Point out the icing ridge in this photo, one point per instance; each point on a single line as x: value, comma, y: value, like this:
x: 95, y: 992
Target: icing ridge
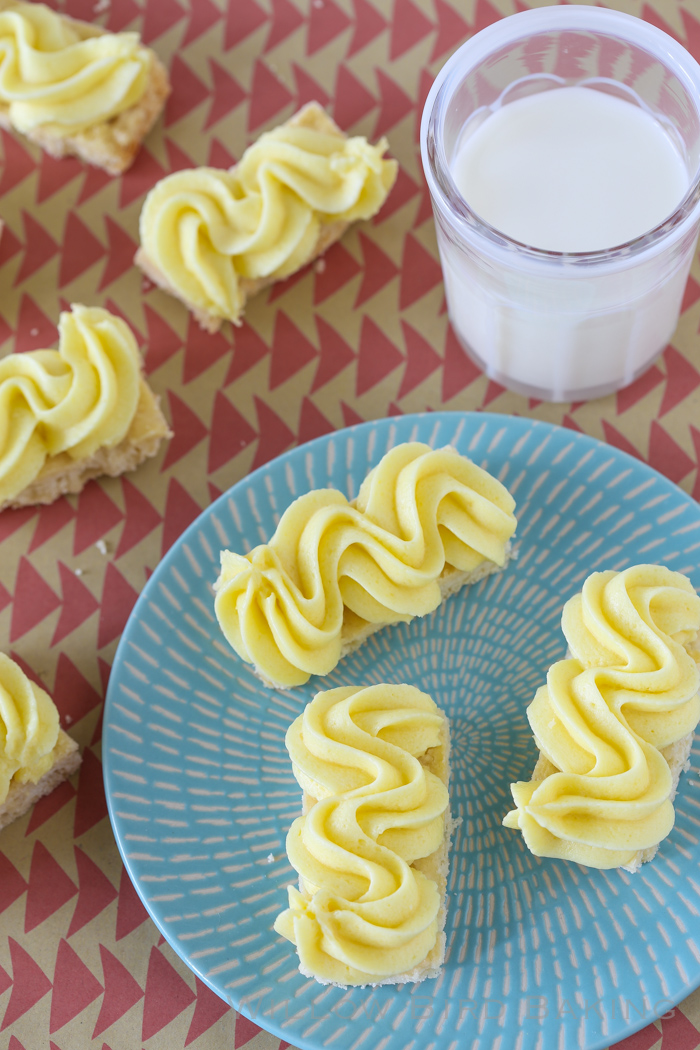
x: 604, y: 716
x: 63, y: 75
x: 418, y: 512
x: 76, y: 399
x: 363, y: 913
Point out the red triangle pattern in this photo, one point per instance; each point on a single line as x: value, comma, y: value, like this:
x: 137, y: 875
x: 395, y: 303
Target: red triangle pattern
x: 228, y: 95
x: 74, y: 987
x: 12, y: 885
x: 167, y: 995
x: 308, y: 89
x: 163, y: 341
x: 452, y: 29
x: 54, y: 174
x: 286, y: 19
x: 369, y: 23
x: 130, y: 911
x: 275, y: 435
x: 666, y: 456
x: 118, y: 599
x: 49, y: 805
x: 9, y: 246
x: 141, y: 176
x: 291, y: 351
x: 30, y: 984
x: 49, y: 888
x: 230, y: 433
x: 188, y: 429
x: 188, y: 92
x: 202, y: 350
x: 95, y: 892
x: 245, y: 1031
x: 337, y: 267
x: 420, y: 272
x: 409, y: 26
x: 395, y: 104
x: 141, y: 518
x: 79, y: 604
x: 459, y: 370
x: 208, y: 1009
x: 97, y: 515
x: 5, y: 981
x: 378, y: 357
x: 421, y: 360
x: 40, y: 248
x: 122, y: 992
x: 335, y: 355
x: 630, y: 395
x: 378, y: 272
x: 312, y: 422
x: 681, y: 379
x: 91, y: 805
x: 34, y: 600
x: 34, y: 329
x: 81, y: 250
x: 120, y: 255
x: 160, y: 16
x: 180, y: 511
x: 18, y: 162
x: 72, y: 693
x: 203, y: 15
x: 242, y: 19
x: 642, y: 1040
x: 618, y: 440
x: 326, y: 22
x: 269, y: 96
x: 51, y: 519
x: 352, y: 99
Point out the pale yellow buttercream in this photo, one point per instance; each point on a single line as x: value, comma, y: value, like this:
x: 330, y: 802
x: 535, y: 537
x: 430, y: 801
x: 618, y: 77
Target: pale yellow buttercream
x: 204, y: 229
x: 630, y: 689
x: 363, y: 913
x: 66, y: 76
x: 418, y: 512
x: 76, y: 399
x: 28, y: 727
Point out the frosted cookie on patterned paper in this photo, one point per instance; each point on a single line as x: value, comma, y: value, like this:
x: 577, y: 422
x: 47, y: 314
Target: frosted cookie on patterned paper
x: 35, y: 753
x: 214, y: 237
x: 426, y: 522
x: 614, y: 724
x: 74, y: 88
x: 75, y: 413
x: 372, y: 846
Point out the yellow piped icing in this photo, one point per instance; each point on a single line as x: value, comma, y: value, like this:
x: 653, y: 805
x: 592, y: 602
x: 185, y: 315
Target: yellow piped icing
x: 28, y: 728
x: 363, y: 913
x: 629, y: 690
x: 66, y: 76
x: 418, y: 512
x: 76, y: 399
x: 204, y: 228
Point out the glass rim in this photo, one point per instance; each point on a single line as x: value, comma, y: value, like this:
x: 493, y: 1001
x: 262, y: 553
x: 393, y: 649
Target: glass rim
x: 519, y: 27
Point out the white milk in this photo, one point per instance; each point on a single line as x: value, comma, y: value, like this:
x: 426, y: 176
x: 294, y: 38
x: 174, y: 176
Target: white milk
x: 570, y: 170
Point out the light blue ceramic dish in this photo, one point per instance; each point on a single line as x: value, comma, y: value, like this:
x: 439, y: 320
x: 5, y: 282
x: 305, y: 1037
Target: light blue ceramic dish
x: 541, y: 954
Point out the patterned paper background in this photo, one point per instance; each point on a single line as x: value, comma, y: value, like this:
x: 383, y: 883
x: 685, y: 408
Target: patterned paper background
x: 360, y: 336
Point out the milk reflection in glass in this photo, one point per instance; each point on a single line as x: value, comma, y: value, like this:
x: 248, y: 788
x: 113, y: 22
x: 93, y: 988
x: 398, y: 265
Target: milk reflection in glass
x: 571, y: 169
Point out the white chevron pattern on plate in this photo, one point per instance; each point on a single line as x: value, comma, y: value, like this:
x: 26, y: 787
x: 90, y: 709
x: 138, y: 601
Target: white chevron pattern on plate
x: 201, y: 792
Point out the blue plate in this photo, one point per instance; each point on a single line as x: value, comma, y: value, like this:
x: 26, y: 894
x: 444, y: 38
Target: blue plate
x: 541, y: 954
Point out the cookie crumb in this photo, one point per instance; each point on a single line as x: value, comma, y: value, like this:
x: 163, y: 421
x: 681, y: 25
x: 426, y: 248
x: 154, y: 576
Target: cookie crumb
x: 270, y: 858
x: 101, y: 546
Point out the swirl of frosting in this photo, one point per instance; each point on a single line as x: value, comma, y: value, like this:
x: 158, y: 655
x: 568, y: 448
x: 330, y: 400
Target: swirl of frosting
x: 64, y: 75
x: 364, y: 913
x: 205, y: 229
x: 603, y: 717
x: 419, y: 512
x: 28, y: 727
x: 76, y: 399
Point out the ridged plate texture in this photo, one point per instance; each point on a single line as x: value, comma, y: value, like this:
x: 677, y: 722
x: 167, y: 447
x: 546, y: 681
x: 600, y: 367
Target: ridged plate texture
x: 541, y: 954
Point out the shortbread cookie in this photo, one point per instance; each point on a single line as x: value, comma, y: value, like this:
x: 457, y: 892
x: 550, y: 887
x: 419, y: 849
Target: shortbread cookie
x: 75, y: 413
x: 373, y: 765
x: 425, y: 523
x: 615, y: 722
x: 75, y: 89
x: 35, y: 754
x: 213, y: 238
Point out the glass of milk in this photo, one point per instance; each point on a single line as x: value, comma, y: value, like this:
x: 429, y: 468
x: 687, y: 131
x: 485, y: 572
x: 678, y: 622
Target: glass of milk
x: 562, y: 151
